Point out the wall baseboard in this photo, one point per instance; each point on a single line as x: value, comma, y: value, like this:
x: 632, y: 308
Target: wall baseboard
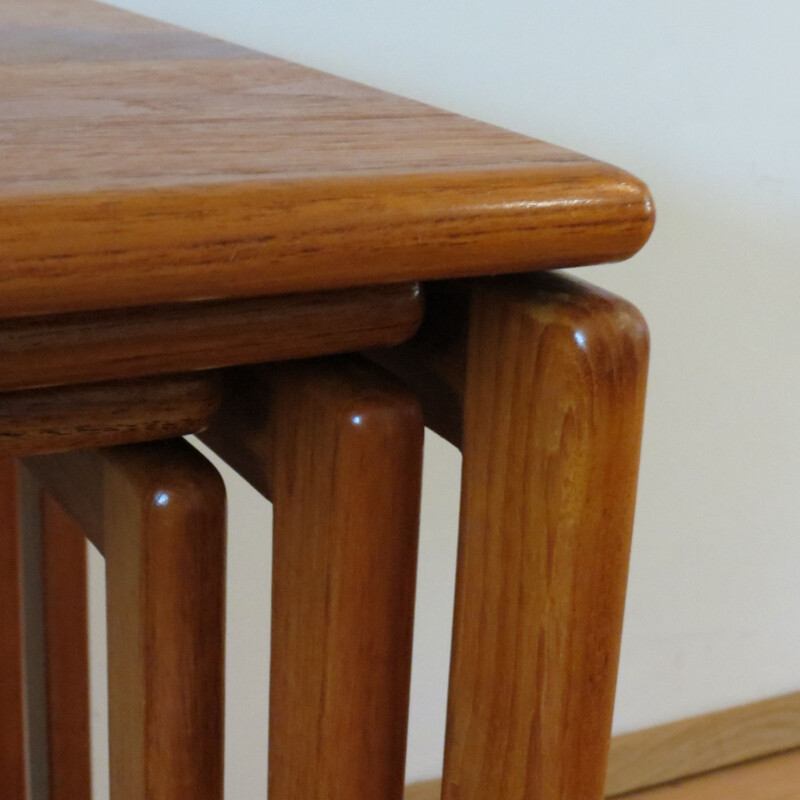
x: 689, y: 746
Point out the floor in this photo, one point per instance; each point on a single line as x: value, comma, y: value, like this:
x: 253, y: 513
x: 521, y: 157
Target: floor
x: 773, y: 778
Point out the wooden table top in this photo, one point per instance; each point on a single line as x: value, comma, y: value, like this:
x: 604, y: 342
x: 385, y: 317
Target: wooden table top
x: 143, y: 164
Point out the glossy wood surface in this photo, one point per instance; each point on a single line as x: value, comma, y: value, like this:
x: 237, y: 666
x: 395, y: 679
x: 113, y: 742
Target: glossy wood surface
x: 337, y: 446
x: 704, y: 743
x: 66, y: 632
x: 434, y: 361
x: 774, y: 778
x: 60, y: 473
x: 554, y: 398
x: 30, y: 506
x: 165, y: 573
x: 13, y: 777
x: 145, y: 165
x: 541, y: 381
x: 687, y: 748
x: 72, y: 417
x: 161, y: 509
x: 41, y: 351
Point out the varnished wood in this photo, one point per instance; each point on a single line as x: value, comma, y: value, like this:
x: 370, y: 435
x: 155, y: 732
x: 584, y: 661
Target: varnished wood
x: 337, y: 446
x: 94, y: 415
x: 165, y: 571
x: 67, y: 653
x: 700, y: 744
x: 158, y: 185
x: 56, y: 648
x: 553, y: 405
x: 773, y: 778
x: 551, y: 386
x: 688, y: 747
x: 230, y: 174
x: 12, y: 739
x: 423, y: 790
x: 48, y: 32
x: 162, y: 512
x: 40, y: 351
x: 30, y: 508
x: 434, y: 361
x: 59, y: 472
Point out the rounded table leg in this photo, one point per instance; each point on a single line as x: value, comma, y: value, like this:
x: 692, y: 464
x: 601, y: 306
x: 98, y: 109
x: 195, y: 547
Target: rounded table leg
x: 337, y: 446
x: 157, y: 512
x: 540, y: 380
x: 553, y: 408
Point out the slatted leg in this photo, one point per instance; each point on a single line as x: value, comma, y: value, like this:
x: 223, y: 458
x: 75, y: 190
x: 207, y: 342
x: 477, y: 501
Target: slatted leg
x: 12, y: 724
x: 551, y: 384
x: 157, y: 512
x: 337, y: 447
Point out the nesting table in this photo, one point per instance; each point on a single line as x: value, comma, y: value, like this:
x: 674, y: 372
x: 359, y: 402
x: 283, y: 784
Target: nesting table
x: 306, y: 272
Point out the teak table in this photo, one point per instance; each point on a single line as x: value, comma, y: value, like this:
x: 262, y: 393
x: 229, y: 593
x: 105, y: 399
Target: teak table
x: 177, y: 216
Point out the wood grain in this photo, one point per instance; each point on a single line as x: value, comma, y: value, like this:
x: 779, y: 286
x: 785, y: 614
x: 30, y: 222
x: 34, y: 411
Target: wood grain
x: 424, y: 790
x: 775, y: 778
x: 554, y: 399
x: 337, y: 446
x: 84, y: 503
x: 160, y: 511
x: 13, y: 777
x: 30, y: 507
x: 434, y: 361
x: 165, y: 576
x: 67, y: 653
x: 704, y: 743
x: 184, y: 176
x: 551, y: 388
x: 689, y: 747
x: 52, y: 32
x: 41, y: 351
x: 71, y: 417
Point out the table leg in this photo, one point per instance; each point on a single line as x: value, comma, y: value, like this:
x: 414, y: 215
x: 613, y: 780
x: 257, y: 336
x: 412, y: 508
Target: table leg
x: 66, y: 636
x: 552, y: 383
x: 552, y: 423
x: 337, y: 446
x: 57, y: 646
x: 157, y: 512
x: 12, y: 736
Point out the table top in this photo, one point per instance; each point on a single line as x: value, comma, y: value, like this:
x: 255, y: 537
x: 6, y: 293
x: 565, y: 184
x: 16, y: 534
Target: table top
x: 143, y: 164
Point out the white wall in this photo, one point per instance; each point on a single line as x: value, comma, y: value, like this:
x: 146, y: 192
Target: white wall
x: 702, y: 100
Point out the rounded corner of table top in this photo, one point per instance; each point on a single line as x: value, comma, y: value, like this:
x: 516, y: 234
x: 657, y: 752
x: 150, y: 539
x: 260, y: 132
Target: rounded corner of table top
x: 176, y: 178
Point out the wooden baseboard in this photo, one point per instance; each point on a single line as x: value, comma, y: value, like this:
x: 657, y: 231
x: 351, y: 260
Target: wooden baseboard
x: 770, y: 778
x: 700, y: 744
x: 689, y: 747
